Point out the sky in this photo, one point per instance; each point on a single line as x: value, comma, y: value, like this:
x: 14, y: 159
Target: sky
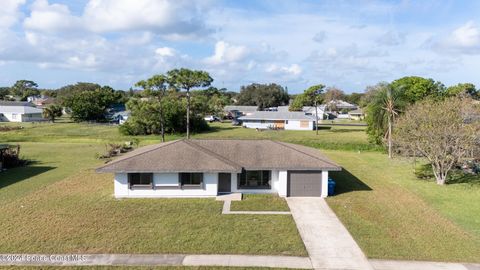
x: 346, y: 44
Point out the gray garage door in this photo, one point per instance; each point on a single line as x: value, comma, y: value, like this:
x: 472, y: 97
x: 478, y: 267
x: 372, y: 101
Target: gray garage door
x: 304, y: 184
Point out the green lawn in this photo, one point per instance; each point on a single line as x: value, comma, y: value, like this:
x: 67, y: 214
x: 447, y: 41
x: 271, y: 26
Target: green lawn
x: 260, y: 202
x: 59, y: 205
x: 392, y: 215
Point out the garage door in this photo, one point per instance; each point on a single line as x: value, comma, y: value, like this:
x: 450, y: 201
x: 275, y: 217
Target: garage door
x: 304, y: 184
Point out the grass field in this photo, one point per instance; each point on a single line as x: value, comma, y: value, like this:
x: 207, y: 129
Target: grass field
x: 389, y: 212
x: 260, y: 202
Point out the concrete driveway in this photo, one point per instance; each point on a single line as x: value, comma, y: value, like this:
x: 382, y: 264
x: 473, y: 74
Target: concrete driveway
x: 329, y: 244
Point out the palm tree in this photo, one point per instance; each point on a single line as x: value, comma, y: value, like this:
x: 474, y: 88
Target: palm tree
x: 387, y: 103
x: 53, y: 111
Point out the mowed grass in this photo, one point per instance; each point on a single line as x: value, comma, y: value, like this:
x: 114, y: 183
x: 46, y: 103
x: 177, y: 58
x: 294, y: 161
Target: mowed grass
x: 260, y: 202
x: 392, y: 215
x: 80, y: 215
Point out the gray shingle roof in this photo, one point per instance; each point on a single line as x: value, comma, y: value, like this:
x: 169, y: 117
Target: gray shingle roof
x: 240, y: 108
x: 220, y: 156
x: 19, y: 107
x: 277, y: 116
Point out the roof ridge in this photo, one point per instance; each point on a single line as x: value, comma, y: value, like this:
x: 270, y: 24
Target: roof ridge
x: 215, y: 155
x: 284, y: 144
x: 126, y: 158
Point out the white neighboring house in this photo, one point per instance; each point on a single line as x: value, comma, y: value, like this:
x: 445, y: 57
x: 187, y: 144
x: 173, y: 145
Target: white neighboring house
x: 244, y: 110
x: 121, y: 117
x: 14, y: 111
x: 207, y: 168
x: 279, y: 120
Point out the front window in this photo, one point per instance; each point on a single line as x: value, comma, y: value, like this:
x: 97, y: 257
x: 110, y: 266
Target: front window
x: 191, y: 179
x: 254, y: 180
x: 140, y: 180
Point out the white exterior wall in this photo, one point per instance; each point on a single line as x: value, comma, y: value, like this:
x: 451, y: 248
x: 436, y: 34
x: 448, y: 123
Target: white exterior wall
x: 265, y: 124
x: 19, y: 117
x: 295, y: 125
x: 161, y: 182
x: 32, y: 117
x: 210, y: 188
x: 282, y: 183
x: 258, y: 124
x: 324, y: 184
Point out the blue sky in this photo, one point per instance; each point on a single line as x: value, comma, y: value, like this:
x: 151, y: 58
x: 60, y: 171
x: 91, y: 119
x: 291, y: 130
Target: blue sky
x: 347, y: 44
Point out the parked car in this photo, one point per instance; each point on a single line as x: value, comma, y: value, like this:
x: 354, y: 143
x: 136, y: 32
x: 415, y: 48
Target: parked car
x: 212, y: 118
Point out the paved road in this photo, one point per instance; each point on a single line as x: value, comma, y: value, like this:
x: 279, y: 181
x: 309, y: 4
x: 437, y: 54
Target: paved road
x: 329, y: 244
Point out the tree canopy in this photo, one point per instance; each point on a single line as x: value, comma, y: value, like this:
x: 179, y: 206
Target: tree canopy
x: 91, y: 105
x: 463, y: 89
x: 444, y: 132
x: 417, y: 88
x: 24, y: 89
x: 309, y: 97
x: 263, y: 95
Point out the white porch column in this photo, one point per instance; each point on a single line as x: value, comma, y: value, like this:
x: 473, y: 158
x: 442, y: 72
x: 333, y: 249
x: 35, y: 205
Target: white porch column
x: 324, y: 184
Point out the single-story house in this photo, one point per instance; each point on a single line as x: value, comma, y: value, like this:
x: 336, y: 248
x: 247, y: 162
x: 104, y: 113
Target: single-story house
x: 279, y: 120
x: 15, y: 111
x: 244, y: 110
x: 207, y: 168
x: 310, y: 110
x: 357, y: 114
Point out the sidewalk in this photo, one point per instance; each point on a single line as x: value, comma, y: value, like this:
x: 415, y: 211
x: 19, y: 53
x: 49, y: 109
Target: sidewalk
x: 209, y: 260
x: 329, y: 244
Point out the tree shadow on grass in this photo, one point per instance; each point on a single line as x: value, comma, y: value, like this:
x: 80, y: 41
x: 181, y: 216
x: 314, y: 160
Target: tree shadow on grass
x: 456, y: 176
x: 347, y: 182
x: 15, y: 175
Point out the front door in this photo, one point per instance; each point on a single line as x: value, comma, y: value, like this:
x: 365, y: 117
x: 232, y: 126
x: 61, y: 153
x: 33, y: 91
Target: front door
x: 224, y: 182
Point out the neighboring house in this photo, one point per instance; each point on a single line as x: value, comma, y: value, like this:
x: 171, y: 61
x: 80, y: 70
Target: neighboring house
x: 244, y: 110
x: 278, y: 120
x: 310, y: 110
x: 207, y: 168
x: 283, y: 108
x: 120, y: 117
x: 40, y: 101
x: 357, y: 114
x: 16, y: 111
x: 341, y: 105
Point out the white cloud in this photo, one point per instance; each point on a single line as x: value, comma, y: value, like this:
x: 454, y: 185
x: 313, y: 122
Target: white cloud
x: 293, y: 69
x: 467, y: 36
x: 9, y: 12
x: 165, y: 52
x: 227, y: 53
x: 464, y: 39
x: 51, y: 18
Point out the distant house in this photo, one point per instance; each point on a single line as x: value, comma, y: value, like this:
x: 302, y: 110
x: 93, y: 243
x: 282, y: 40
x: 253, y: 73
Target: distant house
x: 244, y: 110
x: 120, y: 117
x: 40, y: 101
x: 357, y: 114
x: 341, y: 105
x: 310, y: 110
x: 14, y: 111
x: 278, y: 120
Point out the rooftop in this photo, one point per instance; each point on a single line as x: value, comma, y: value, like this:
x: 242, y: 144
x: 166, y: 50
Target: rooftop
x: 220, y: 156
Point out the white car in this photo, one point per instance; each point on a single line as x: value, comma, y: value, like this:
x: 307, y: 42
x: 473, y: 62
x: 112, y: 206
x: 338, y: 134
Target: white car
x: 211, y: 118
